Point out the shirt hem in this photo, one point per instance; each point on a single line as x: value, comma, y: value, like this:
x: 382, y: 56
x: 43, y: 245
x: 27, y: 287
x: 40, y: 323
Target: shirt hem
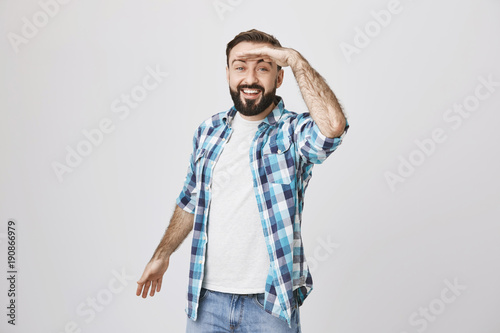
x: 234, y: 290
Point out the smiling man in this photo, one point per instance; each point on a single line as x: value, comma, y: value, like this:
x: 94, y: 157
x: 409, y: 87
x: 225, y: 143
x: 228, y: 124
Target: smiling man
x: 243, y: 195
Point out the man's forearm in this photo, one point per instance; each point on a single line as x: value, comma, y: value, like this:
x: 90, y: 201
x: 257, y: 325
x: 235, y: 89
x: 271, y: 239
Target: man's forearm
x: 179, y: 228
x: 322, y: 103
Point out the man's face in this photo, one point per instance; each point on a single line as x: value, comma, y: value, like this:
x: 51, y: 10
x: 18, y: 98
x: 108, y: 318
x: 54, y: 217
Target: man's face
x: 252, y: 82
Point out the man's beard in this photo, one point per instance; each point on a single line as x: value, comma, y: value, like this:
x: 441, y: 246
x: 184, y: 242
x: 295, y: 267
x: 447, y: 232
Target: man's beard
x: 250, y: 107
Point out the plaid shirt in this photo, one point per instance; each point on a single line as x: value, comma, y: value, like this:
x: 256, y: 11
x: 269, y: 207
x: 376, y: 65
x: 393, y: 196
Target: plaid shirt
x: 282, y: 154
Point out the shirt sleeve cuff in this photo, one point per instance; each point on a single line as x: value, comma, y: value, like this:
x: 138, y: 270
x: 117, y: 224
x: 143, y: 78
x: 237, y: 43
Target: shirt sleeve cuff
x: 328, y: 143
x: 185, y: 203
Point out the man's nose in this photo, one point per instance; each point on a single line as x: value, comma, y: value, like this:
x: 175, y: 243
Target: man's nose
x: 251, y: 78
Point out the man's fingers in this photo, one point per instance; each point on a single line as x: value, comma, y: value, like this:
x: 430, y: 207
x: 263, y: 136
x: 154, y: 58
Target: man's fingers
x: 252, y: 55
x: 260, y: 50
x: 140, y: 284
x: 256, y: 55
x: 158, y: 286
x: 153, y: 289
x: 139, y: 288
x: 146, y: 289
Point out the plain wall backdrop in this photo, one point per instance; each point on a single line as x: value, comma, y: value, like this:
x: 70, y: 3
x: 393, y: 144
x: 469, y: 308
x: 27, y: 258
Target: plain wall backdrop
x: 401, y: 223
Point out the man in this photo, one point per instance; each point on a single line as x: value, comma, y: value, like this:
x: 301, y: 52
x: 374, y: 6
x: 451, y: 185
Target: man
x: 244, y: 192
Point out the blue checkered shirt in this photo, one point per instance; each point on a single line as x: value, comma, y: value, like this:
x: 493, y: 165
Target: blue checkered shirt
x: 282, y: 155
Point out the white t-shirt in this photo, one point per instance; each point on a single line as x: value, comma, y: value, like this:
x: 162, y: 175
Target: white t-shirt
x: 237, y: 260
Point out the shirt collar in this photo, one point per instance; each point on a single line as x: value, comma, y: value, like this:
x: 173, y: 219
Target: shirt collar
x: 271, y: 119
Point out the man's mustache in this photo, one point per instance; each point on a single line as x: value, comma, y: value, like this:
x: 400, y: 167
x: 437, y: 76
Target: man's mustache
x: 252, y: 86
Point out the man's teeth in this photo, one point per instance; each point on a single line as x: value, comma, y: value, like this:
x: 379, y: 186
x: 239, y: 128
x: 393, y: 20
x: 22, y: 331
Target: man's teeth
x: 248, y: 91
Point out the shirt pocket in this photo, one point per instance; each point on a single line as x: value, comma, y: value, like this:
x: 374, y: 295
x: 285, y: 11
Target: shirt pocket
x: 278, y: 162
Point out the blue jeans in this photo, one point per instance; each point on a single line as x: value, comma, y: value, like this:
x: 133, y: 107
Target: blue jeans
x: 223, y: 312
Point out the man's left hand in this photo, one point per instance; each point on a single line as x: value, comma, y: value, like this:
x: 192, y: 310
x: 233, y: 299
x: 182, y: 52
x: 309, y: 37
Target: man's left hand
x: 282, y: 56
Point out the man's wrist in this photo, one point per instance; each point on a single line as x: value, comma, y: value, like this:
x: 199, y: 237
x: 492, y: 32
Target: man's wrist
x: 162, y: 255
x: 296, y: 61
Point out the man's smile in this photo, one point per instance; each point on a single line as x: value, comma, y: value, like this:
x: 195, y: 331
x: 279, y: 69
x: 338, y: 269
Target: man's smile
x: 250, y: 93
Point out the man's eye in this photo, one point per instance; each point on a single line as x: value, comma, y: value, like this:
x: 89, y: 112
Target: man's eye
x: 263, y: 69
x: 239, y: 68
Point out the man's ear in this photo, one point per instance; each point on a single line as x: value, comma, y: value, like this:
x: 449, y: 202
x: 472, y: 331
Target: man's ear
x: 279, y: 79
x: 227, y: 74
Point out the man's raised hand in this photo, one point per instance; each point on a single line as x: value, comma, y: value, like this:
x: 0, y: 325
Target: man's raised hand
x: 282, y: 56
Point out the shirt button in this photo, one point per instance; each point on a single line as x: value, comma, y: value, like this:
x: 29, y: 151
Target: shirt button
x: 279, y: 151
x: 207, y: 187
x: 199, y: 262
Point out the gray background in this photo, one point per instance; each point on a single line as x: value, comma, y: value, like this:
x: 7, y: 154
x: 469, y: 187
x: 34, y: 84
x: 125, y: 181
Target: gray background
x: 391, y: 248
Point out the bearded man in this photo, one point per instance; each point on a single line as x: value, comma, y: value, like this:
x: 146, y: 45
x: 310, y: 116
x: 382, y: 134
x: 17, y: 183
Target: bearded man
x: 243, y: 195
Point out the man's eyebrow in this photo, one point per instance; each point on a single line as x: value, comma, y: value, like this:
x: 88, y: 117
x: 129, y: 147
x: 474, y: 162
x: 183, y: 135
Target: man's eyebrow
x: 267, y: 62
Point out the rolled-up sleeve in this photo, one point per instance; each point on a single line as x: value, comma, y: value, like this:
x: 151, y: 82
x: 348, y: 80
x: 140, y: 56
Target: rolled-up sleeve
x: 187, y: 198
x: 312, y: 145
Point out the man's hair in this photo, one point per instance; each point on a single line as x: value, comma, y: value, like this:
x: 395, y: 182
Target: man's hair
x: 254, y: 36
